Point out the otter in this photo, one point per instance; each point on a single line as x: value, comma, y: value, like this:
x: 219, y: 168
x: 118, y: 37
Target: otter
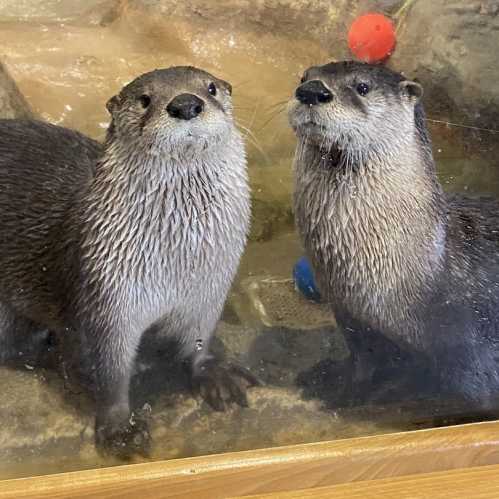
x: 395, y: 256
x: 107, y: 241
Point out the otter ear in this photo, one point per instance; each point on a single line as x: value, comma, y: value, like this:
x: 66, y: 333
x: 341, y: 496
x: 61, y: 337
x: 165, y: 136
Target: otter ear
x: 228, y: 87
x: 225, y: 85
x: 411, y: 89
x: 113, y: 103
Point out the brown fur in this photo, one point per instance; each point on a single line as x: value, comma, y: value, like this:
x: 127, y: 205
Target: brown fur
x: 391, y: 253
x: 103, y: 242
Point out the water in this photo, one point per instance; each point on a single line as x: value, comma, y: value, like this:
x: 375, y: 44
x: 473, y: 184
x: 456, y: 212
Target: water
x: 68, y: 58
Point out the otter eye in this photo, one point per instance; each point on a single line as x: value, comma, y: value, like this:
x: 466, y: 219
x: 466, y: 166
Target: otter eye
x: 362, y: 89
x: 303, y: 78
x: 144, y: 100
x: 212, y: 89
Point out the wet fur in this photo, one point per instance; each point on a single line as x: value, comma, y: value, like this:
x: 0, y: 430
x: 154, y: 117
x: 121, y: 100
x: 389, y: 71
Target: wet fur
x: 391, y: 252
x: 105, y: 241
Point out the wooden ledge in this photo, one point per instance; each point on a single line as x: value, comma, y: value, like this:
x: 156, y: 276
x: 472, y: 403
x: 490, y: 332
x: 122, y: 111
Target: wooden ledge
x: 281, y: 469
x: 476, y: 483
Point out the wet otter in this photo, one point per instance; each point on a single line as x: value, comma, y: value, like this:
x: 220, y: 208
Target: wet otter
x: 144, y: 231
x: 391, y: 252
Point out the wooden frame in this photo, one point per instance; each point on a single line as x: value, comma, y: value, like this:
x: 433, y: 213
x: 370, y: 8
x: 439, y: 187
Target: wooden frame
x: 453, y: 461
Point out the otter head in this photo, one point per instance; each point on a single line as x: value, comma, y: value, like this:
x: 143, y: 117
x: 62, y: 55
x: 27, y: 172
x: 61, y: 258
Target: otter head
x: 168, y: 111
x: 354, y: 110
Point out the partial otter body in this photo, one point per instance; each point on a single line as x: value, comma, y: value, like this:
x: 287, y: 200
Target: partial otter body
x: 391, y: 252
x: 105, y: 241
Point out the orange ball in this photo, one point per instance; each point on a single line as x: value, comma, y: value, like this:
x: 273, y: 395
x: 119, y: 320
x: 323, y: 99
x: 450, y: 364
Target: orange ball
x: 371, y: 37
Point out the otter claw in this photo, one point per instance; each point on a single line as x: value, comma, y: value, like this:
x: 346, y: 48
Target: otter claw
x: 123, y: 440
x: 221, y: 386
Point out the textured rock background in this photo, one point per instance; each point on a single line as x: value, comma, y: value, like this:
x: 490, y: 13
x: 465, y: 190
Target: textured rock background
x: 12, y: 102
x: 451, y: 46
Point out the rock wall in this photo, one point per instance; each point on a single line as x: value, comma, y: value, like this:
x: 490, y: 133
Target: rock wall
x: 12, y: 102
x: 451, y: 47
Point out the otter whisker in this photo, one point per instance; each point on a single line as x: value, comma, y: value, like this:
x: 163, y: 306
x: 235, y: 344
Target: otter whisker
x: 254, y: 114
x: 460, y: 125
x: 277, y: 104
x: 272, y: 117
x: 242, y: 83
x: 241, y: 108
x: 253, y: 140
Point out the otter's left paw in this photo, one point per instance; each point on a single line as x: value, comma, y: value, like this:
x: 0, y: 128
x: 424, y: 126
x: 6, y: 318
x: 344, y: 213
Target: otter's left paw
x: 223, y: 385
x: 123, y: 439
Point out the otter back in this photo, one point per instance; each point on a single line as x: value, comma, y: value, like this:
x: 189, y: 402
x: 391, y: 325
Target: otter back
x: 42, y: 169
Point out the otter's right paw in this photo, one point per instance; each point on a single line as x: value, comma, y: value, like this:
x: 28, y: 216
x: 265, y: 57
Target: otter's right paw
x: 123, y: 440
x: 223, y: 385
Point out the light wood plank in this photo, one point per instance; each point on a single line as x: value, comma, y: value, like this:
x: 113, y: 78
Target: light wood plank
x: 275, y: 470
x: 469, y: 483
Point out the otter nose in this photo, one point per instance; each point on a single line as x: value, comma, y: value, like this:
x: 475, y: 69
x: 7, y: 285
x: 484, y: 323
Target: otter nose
x: 185, y: 107
x: 313, y: 92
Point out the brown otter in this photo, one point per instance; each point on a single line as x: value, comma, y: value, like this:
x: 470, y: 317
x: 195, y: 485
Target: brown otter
x: 391, y: 252
x: 144, y: 231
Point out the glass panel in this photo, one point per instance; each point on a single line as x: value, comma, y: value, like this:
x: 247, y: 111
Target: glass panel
x: 323, y: 377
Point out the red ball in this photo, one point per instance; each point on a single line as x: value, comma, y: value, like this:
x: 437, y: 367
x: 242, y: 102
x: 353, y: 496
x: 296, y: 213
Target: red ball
x: 371, y: 37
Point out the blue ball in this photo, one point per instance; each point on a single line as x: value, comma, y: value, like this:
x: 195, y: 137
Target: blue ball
x: 304, y: 279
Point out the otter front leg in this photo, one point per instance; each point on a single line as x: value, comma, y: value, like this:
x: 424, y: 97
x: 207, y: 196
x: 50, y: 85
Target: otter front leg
x: 219, y: 383
x: 117, y: 431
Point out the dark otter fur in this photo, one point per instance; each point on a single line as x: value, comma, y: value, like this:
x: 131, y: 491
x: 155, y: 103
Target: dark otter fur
x: 106, y: 241
x: 391, y: 252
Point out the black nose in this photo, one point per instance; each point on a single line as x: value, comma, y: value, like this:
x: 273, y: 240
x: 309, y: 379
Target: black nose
x: 185, y: 107
x: 313, y: 92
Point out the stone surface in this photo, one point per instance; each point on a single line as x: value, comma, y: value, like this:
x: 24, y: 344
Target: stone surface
x: 48, y: 10
x: 268, y: 219
x: 451, y: 48
x: 275, y: 416
x: 12, y: 102
x: 312, y: 18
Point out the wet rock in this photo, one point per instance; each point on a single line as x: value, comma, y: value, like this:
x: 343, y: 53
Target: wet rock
x: 38, y: 425
x: 277, y: 302
x: 275, y: 416
x: 314, y: 19
x: 268, y: 219
x: 386, y: 6
x: 48, y: 10
x: 35, y: 411
x: 449, y: 47
x: 12, y: 102
x: 279, y: 356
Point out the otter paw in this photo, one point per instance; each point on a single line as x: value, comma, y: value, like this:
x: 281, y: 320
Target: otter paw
x: 223, y: 385
x: 123, y: 440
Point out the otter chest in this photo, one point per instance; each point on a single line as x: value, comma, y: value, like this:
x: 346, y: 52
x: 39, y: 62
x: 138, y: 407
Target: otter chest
x: 354, y: 242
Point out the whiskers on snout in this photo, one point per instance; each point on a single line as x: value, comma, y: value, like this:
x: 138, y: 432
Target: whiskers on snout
x: 173, y: 111
x: 356, y: 111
